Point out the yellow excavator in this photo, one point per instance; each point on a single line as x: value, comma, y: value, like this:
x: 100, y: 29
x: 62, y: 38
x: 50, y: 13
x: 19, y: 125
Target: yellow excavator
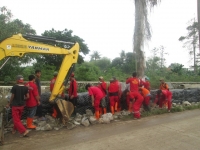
x: 18, y: 45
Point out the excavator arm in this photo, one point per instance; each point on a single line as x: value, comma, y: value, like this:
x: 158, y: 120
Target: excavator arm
x: 18, y: 45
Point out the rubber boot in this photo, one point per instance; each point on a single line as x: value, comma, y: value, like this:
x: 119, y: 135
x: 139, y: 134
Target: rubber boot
x: 54, y: 113
x: 104, y: 110
x: 97, y: 114
x: 112, y: 110
x: 29, y: 123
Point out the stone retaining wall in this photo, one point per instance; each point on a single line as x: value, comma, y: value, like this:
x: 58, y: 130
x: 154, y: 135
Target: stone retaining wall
x: 179, y: 95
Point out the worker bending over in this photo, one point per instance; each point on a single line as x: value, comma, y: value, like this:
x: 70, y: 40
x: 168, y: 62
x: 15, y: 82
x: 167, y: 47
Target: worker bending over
x: 162, y: 97
x: 96, y: 96
x: 146, y: 95
x: 103, y: 86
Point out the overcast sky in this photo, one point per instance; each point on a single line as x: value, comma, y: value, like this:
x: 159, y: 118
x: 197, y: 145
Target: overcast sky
x: 107, y: 25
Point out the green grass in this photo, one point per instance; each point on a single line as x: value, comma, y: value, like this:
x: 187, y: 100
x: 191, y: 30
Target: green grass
x: 157, y: 111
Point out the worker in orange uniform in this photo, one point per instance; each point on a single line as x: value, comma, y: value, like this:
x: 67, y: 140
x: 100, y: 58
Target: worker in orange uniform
x: 96, y: 96
x: 52, y: 82
x: 137, y: 100
x: 113, y: 92
x: 72, y: 91
x: 163, y: 97
x: 134, y: 82
x: 32, y: 102
x: 146, y: 95
x: 163, y: 86
x: 103, y: 86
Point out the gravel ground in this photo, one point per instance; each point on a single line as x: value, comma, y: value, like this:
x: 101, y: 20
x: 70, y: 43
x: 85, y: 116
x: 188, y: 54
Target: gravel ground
x: 167, y: 132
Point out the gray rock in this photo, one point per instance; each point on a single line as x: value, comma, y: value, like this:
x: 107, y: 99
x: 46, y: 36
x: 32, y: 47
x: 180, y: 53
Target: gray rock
x: 92, y: 120
x: 47, y: 127
x: 78, y: 117
x: 70, y: 126
x: 125, y: 113
x: 41, y: 123
x: 106, y: 120
x: 56, y: 128
x: 89, y: 112
x: 85, y: 122
x: 186, y: 103
x: 50, y: 118
x: 174, y: 104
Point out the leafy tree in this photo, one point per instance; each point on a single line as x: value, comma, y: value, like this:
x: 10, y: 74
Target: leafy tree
x: 176, y: 68
x: 65, y: 35
x: 103, y: 64
x: 191, y: 41
x: 87, y: 71
x: 142, y: 31
x: 8, y: 27
x: 117, y: 62
x: 129, y: 64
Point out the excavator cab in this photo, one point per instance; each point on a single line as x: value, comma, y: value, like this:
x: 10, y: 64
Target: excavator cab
x: 18, y: 45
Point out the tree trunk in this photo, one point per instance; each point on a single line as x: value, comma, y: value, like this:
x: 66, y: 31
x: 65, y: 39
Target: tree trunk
x: 139, y: 33
x: 198, y: 14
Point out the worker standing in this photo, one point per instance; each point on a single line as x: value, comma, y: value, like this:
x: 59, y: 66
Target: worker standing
x: 137, y: 100
x: 103, y: 86
x: 32, y: 102
x: 38, y: 83
x: 17, y: 101
x: 119, y: 93
x: 97, y: 96
x: 146, y: 95
x: 113, y: 92
x: 134, y: 87
x: 52, y: 82
x: 134, y: 82
x: 72, y: 91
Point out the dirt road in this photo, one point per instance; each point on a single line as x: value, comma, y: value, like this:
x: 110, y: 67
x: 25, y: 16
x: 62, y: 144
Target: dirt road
x: 172, y: 131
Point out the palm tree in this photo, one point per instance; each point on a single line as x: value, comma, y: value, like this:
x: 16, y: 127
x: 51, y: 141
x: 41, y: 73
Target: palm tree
x: 122, y: 56
x: 198, y: 15
x: 96, y: 55
x: 191, y: 40
x: 142, y: 31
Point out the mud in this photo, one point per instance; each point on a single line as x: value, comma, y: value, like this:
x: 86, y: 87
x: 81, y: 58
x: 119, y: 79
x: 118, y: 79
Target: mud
x: 166, y: 132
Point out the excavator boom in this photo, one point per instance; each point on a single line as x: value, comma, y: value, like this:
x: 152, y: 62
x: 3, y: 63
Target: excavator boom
x: 18, y: 45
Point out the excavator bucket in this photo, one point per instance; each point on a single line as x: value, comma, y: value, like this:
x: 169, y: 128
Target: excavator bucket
x: 66, y: 109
